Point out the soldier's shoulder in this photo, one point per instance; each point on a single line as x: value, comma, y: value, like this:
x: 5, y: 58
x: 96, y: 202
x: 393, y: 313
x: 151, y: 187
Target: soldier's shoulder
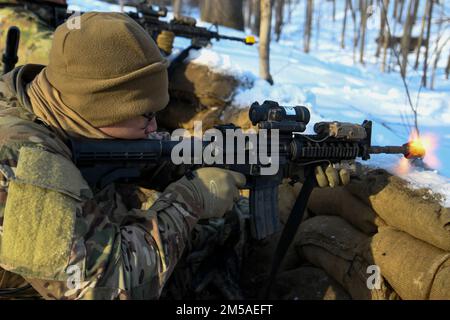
x: 17, y: 132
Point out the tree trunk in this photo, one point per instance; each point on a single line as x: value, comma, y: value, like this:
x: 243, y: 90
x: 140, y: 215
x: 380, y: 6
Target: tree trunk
x: 334, y: 10
x: 318, y: 12
x: 355, y: 29
x: 416, y: 7
x: 363, y: 9
x: 422, y: 30
x: 394, y: 14
x: 289, y: 3
x: 438, y: 49
x: 228, y: 13
x: 308, y: 25
x: 257, y: 13
x: 264, y: 37
x: 344, y: 24
x: 249, y: 14
x: 279, y: 16
x: 427, y: 46
x: 177, y: 8
x: 447, y: 69
x: 386, y: 35
x: 400, y: 13
x: 406, y: 38
x: 382, y: 33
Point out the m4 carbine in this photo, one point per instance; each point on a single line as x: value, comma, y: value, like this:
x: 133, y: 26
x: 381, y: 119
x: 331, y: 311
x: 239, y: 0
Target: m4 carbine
x: 105, y: 161
x: 149, y: 18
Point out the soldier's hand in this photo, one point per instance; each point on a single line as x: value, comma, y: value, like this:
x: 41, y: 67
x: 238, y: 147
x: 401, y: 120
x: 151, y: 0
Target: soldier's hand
x: 165, y: 41
x: 217, y: 188
x: 329, y: 176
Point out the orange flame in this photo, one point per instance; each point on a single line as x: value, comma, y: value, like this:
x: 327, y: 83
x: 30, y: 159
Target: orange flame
x: 427, y: 145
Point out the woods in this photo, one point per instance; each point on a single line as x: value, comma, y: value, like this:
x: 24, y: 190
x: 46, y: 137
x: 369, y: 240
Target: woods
x: 409, y: 32
x: 404, y: 28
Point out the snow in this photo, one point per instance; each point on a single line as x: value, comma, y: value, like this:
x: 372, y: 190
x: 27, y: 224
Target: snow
x: 334, y: 88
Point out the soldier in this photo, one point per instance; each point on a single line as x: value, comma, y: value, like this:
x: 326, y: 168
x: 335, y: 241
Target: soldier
x: 55, y: 232
x: 37, y: 21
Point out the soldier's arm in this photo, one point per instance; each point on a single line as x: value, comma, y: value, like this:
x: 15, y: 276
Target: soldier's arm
x: 63, y: 241
x: 129, y: 261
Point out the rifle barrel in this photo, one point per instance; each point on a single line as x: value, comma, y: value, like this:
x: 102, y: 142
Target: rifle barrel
x: 389, y: 150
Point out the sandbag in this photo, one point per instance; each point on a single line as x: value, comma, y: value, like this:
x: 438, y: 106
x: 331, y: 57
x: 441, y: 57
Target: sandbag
x: 340, y: 202
x: 333, y: 245
x: 258, y: 262
x: 415, y: 269
x: 307, y: 283
x: 412, y: 211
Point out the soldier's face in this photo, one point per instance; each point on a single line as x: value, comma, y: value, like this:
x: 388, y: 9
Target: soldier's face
x: 136, y: 128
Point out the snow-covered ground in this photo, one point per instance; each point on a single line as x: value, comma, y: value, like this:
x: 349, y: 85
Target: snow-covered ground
x: 334, y: 88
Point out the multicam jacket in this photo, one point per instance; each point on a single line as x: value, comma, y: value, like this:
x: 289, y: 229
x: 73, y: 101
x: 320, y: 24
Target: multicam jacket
x: 67, y: 242
x: 36, y: 22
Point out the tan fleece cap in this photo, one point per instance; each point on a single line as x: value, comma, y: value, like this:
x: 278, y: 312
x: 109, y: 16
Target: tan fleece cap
x: 108, y: 71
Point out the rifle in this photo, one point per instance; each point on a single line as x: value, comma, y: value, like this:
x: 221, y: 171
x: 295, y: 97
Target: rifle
x: 104, y: 161
x: 149, y: 18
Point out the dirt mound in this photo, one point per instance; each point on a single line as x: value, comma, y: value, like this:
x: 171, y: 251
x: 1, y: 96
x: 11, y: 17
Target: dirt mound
x: 197, y: 94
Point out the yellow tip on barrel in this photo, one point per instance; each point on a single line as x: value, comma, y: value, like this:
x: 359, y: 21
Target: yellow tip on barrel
x: 416, y: 149
x: 250, y: 40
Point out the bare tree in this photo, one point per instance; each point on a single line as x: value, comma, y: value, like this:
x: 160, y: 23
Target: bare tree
x: 394, y: 13
x: 334, y: 10
x: 382, y: 33
x: 308, y: 25
x: 363, y: 10
x: 400, y: 13
x: 177, y: 8
x: 422, y: 30
x: 356, y: 30
x: 344, y: 24
x: 279, y: 17
x: 447, y: 69
x: 257, y: 12
x: 406, y: 38
x: 249, y: 15
x: 289, y: 7
x: 427, y: 45
x: 438, y: 50
x: 264, y: 37
x: 228, y: 13
x: 386, y: 34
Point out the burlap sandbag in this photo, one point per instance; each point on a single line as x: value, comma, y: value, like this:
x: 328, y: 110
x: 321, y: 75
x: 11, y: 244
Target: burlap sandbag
x: 342, y: 251
x: 340, y: 202
x: 307, y: 283
x: 415, y: 269
x: 412, y: 211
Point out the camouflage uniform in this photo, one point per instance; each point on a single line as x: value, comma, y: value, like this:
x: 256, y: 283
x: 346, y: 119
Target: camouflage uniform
x: 123, y: 249
x: 36, y: 23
